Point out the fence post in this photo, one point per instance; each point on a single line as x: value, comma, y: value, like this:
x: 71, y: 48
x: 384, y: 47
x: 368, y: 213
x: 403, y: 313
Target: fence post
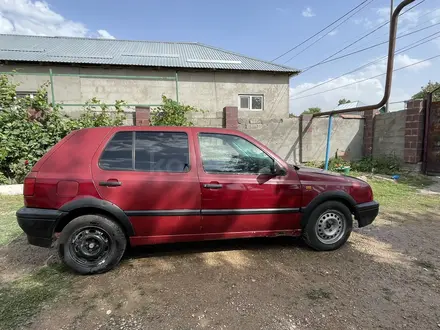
x: 177, y: 87
x: 329, y: 134
x: 51, y: 88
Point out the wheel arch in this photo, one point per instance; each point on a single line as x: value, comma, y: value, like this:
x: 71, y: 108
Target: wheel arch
x: 336, y: 196
x: 91, y: 205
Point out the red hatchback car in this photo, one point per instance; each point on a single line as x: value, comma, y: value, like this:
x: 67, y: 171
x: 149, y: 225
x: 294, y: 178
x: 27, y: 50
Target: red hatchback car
x: 101, y: 189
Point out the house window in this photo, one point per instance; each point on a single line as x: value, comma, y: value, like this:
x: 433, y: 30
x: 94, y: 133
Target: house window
x: 250, y: 102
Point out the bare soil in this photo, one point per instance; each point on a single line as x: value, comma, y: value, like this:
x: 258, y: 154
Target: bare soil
x: 386, y: 277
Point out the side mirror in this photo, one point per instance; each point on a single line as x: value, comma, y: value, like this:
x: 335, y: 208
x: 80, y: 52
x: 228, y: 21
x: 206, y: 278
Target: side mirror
x: 277, y: 170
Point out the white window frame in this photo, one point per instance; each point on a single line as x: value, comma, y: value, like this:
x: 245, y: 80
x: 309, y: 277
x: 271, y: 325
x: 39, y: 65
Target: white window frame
x: 249, y: 96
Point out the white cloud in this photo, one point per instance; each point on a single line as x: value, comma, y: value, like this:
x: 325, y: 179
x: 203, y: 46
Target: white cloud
x: 368, y: 92
x: 105, y: 35
x: 367, y: 23
x: 308, y: 12
x: 333, y: 33
x: 37, y: 18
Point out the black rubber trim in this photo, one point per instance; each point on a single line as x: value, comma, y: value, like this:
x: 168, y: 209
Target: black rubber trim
x: 211, y: 212
x: 100, y: 204
x: 365, y: 213
x: 250, y: 211
x: 323, y: 197
x: 161, y: 213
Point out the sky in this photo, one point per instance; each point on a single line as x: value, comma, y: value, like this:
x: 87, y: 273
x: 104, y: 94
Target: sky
x: 264, y: 30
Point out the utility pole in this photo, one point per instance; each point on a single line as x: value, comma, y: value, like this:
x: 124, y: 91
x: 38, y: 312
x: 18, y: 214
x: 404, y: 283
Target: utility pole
x: 391, y: 16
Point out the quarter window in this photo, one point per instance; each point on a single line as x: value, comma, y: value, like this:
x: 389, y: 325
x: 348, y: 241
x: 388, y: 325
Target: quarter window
x: 250, y: 102
x: 223, y: 153
x: 117, y: 154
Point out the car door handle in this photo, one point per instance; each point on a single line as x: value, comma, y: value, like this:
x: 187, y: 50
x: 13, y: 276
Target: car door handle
x: 213, y: 185
x: 110, y: 183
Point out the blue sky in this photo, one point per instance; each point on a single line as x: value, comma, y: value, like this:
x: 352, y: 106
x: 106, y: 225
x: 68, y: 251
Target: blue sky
x: 261, y: 29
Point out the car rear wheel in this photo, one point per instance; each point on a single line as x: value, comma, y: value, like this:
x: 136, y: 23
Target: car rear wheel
x: 91, y: 244
x: 328, y: 227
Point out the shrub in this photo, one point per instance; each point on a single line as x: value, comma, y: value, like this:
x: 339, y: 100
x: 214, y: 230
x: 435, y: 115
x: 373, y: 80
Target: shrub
x: 25, y: 138
x: 389, y: 164
x: 171, y: 113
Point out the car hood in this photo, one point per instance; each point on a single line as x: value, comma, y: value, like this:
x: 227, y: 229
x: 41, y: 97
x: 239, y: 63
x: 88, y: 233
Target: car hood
x: 317, y: 174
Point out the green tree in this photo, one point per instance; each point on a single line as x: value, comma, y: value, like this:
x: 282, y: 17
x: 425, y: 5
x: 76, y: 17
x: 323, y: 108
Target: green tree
x: 311, y: 111
x: 343, y: 101
x: 171, y: 113
x: 431, y: 86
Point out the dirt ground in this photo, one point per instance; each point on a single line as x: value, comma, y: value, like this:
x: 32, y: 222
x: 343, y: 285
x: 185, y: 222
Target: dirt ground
x: 386, y: 277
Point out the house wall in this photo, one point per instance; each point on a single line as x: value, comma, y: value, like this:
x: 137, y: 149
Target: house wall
x: 206, y: 90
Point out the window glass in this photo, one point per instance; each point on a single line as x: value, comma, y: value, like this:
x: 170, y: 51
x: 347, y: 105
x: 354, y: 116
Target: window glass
x: 257, y: 103
x: 117, y: 155
x: 244, y: 102
x: 162, y: 152
x: 222, y: 153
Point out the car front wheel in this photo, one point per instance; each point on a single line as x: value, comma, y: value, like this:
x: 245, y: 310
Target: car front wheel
x: 91, y: 244
x: 328, y: 227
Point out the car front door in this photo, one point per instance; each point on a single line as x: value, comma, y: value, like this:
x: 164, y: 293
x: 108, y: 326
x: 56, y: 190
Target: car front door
x: 241, y: 195
x: 152, y: 176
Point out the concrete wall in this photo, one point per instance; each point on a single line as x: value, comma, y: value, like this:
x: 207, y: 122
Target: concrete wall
x: 389, y: 134
x: 206, y: 90
x: 346, y: 137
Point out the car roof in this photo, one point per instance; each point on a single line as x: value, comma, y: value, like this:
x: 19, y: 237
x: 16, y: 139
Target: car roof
x: 177, y: 129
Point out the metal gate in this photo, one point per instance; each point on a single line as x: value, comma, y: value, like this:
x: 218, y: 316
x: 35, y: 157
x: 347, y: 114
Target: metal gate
x: 432, y: 138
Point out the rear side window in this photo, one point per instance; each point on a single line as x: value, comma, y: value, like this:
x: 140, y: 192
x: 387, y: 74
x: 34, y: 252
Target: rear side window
x: 118, y: 154
x: 162, y: 152
x: 147, y: 151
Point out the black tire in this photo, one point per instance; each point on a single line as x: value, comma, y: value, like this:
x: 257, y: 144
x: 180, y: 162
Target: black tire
x: 91, y: 244
x: 333, y: 211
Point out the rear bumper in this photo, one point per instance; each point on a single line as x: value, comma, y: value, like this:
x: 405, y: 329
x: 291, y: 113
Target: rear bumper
x: 365, y: 213
x: 38, y: 224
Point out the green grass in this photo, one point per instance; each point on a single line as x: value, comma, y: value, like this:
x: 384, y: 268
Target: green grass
x: 402, y: 195
x: 23, y: 298
x: 8, y: 223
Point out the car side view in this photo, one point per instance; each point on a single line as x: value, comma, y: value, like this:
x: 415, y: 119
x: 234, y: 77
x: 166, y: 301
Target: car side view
x: 100, y: 190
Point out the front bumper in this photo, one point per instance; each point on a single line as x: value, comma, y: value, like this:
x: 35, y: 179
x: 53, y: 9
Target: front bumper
x: 365, y: 213
x: 38, y: 224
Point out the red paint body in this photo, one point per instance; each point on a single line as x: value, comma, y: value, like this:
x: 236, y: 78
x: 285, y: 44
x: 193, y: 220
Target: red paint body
x: 70, y: 171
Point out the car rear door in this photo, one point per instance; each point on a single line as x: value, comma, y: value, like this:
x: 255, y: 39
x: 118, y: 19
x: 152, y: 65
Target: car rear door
x: 152, y: 176
x: 240, y: 197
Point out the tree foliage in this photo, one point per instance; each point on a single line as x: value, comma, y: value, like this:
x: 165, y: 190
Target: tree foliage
x: 311, y: 111
x: 171, y: 113
x: 430, y: 86
x: 343, y: 101
x: 29, y: 126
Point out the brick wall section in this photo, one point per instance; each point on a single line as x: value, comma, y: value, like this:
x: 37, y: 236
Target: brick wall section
x: 142, y: 116
x: 230, y: 117
x: 305, y: 136
x: 368, y: 133
x: 389, y: 134
x: 414, y: 130
x: 207, y: 119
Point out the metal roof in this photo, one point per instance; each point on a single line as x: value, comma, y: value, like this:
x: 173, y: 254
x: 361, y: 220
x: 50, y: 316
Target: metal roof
x: 128, y: 52
x: 350, y: 105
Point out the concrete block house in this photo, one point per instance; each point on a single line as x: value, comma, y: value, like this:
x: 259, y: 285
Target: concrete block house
x: 196, y: 74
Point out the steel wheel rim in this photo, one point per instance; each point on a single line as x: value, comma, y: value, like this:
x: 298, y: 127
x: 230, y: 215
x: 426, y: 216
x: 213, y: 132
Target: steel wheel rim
x: 90, y: 246
x: 330, y: 227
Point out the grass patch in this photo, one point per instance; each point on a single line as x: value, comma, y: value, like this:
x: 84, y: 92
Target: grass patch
x: 401, y: 196
x: 23, y: 298
x: 8, y: 223
x: 316, y: 294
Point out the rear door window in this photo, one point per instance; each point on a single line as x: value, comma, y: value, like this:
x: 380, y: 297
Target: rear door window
x: 161, y: 152
x: 118, y: 154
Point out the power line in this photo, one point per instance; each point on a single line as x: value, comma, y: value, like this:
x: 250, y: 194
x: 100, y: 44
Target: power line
x: 363, y: 37
x: 366, y: 48
x: 325, y: 28
x: 359, y: 81
x: 403, y: 49
x: 324, y: 35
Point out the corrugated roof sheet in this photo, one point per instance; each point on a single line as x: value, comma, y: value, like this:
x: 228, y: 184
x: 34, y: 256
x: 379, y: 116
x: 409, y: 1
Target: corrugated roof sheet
x: 350, y: 105
x: 128, y: 52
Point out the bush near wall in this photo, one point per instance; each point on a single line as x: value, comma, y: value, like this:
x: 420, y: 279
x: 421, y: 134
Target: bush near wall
x: 29, y: 127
